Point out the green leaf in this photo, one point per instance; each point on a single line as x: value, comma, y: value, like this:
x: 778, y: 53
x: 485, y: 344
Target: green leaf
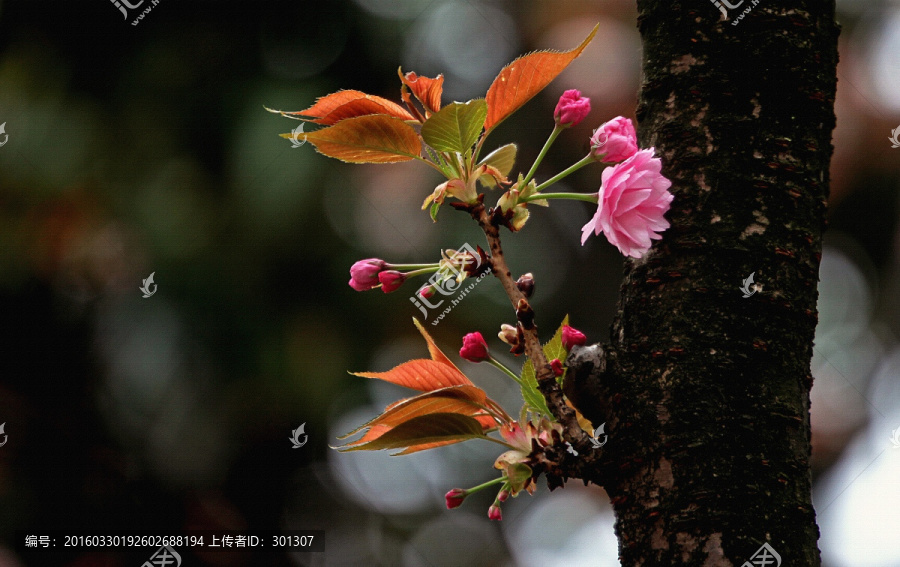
x: 530, y: 393
x: 533, y: 397
x: 456, y: 127
x: 436, y: 428
x: 555, y: 348
x: 503, y: 158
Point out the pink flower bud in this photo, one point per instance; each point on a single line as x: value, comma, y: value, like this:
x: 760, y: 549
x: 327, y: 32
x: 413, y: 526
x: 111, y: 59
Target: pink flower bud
x: 494, y: 513
x: 455, y: 498
x: 502, y: 495
x: 571, y: 108
x: 391, y: 280
x: 427, y: 292
x: 614, y: 141
x: 364, y: 274
x: 557, y: 367
x: 572, y: 337
x: 474, y: 348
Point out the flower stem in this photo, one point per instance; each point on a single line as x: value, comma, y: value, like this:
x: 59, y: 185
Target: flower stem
x: 559, y: 176
x: 556, y: 130
x: 412, y: 266
x: 499, y: 365
x: 492, y: 482
x: 423, y: 271
x: 589, y: 197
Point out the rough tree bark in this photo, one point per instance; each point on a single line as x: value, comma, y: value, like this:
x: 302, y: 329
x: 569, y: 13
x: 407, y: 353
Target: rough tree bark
x: 705, y: 393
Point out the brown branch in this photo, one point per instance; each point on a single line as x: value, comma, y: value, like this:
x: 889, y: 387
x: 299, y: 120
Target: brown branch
x: 546, y: 379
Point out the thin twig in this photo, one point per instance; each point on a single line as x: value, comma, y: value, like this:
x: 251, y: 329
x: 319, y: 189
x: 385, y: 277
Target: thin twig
x: 546, y: 379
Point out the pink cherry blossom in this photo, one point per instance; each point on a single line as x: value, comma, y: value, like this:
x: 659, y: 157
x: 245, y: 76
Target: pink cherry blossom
x: 571, y: 108
x: 634, y: 198
x: 614, y: 141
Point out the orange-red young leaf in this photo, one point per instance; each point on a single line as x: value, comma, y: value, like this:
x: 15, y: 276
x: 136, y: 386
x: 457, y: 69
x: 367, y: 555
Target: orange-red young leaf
x: 428, y: 91
x: 375, y: 138
x: 433, y: 350
x: 519, y: 81
x: 421, y: 374
x: 331, y: 109
x: 464, y: 400
x: 442, y: 428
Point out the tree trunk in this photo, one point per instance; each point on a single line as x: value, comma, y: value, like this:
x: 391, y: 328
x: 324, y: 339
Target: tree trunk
x: 705, y: 392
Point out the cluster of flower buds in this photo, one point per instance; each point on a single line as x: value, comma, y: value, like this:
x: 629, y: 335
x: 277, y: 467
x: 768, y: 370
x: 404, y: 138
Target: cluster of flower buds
x: 454, y: 265
x: 517, y: 475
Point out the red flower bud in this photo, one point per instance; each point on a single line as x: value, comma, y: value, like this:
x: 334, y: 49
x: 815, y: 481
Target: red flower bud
x: 455, y: 498
x: 427, y: 292
x: 391, y: 280
x: 474, y: 348
x: 364, y: 274
x: 572, y: 337
x: 557, y: 367
x: 494, y: 513
x: 502, y: 495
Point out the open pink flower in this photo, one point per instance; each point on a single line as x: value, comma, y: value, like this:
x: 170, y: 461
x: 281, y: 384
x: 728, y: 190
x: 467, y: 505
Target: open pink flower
x: 614, y: 141
x: 634, y: 198
x: 571, y: 108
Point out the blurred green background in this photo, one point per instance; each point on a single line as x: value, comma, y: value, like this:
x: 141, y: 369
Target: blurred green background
x: 146, y: 148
